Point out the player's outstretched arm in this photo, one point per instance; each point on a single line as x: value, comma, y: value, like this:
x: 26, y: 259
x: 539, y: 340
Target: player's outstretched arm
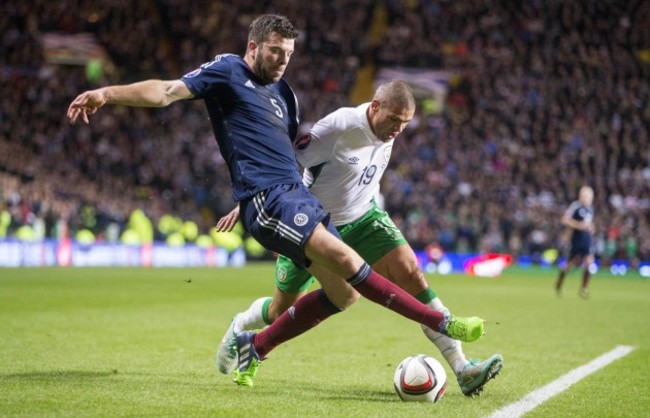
x: 227, y: 223
x: 149, y: 93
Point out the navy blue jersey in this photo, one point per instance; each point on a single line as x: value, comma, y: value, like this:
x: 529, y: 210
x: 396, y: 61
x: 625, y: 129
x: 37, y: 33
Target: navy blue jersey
x: 580, y: 213
x: 254, y: 124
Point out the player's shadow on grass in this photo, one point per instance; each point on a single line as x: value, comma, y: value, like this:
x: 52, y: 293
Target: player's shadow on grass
x: 340, y: 393
x: 58, y: 375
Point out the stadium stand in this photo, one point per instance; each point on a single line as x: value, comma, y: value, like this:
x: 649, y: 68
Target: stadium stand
x: 542, y: 97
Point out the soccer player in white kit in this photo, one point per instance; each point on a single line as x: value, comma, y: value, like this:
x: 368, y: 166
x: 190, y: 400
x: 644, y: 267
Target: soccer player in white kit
x: 345, y: 155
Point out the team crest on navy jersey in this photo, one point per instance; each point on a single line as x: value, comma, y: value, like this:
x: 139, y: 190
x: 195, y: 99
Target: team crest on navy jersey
x: 300, y: 219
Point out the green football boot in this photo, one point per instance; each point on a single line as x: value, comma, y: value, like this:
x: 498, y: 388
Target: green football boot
x: 477, y: 373
x: 249, y: 361
x: 463, y: 329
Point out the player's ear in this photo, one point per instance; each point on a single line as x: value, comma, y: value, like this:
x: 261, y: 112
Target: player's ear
x: 252, y: 47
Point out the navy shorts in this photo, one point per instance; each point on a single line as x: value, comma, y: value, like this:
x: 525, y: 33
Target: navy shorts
x: 283, y: 217
x: 579, y: 250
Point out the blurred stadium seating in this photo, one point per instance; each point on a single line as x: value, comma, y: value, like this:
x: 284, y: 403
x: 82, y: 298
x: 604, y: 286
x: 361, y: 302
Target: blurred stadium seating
x: 539, y: 97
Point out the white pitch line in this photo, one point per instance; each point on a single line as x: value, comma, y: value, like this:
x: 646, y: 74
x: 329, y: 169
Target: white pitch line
x: 538, y: 396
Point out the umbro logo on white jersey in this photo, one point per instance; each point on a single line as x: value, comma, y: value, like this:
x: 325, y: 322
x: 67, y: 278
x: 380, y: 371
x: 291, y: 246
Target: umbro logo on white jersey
x: 353, y: 160
x: 249, y: 84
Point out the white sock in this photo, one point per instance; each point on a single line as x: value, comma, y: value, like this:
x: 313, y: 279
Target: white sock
x: 253, y: 317
x: 450, y: 349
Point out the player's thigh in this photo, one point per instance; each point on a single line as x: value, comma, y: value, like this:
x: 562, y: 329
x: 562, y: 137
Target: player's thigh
x: 401, y: 267
x: 380, y: 242
x: 326, y: 250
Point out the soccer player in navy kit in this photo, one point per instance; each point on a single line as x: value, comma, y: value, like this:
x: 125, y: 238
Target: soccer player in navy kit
x: 254, y: 115
x: 579, y: 217
x: 346, y: 153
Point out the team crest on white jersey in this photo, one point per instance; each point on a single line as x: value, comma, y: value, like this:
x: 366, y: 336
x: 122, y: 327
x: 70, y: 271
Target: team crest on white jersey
x: 387, y: 151
x: 300, y: 219
x: 353, y: 160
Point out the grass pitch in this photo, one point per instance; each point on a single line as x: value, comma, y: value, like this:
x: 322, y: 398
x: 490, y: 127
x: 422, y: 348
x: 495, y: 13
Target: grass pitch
x: 118, y: 342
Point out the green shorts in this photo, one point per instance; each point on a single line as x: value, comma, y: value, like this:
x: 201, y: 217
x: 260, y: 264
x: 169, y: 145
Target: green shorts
x: 372, y: 236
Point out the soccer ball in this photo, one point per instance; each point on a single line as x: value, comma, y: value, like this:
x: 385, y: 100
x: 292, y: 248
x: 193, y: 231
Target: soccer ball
x: 420, y: 378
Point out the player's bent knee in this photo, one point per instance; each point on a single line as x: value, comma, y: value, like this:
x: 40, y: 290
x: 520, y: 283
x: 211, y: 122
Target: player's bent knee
x: 342, y: 296
x: 351, y: 300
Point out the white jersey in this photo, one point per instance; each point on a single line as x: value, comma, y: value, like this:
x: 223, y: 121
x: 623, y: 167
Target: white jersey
x: 344, y: 162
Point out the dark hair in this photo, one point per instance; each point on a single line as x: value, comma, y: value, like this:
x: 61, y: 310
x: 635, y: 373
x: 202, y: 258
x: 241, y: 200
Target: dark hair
x: 263, y: 25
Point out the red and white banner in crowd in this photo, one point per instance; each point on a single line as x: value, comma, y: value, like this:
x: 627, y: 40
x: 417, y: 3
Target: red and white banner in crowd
x: 487, y: 265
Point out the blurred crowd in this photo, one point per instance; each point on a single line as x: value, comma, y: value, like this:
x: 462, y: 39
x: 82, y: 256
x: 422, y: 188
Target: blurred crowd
x: 544, y: 96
